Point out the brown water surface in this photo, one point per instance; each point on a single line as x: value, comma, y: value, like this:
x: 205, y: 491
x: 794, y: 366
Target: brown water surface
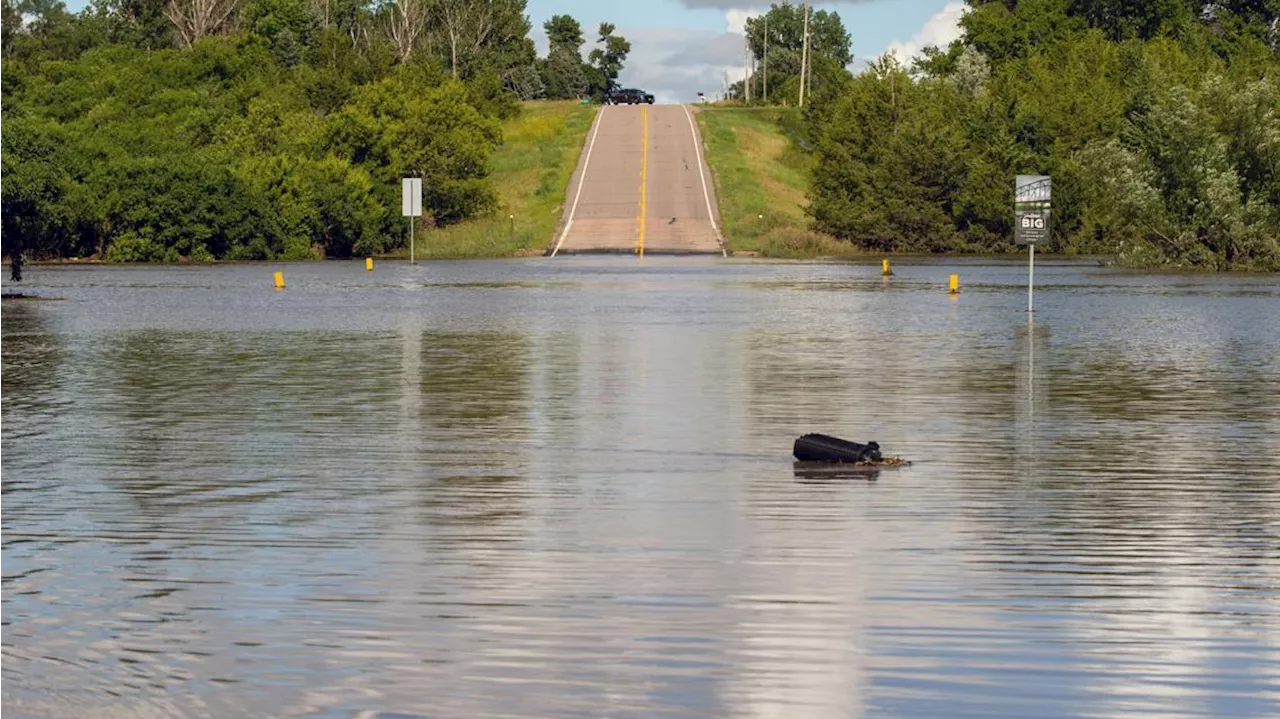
x: 563, y: 488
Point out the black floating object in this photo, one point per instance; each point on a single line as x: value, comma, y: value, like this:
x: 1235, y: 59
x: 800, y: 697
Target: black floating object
x: 822, y: 448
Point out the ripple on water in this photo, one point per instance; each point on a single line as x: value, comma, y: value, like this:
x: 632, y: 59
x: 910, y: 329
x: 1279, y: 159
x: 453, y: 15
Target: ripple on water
x: 564, y: 489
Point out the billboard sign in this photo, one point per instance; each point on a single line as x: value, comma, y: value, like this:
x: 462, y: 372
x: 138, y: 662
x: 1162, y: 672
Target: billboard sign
x: 1031, y: 209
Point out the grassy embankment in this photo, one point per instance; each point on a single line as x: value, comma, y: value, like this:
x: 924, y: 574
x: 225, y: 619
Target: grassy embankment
x: 530, y: 172
x: 760, y: 177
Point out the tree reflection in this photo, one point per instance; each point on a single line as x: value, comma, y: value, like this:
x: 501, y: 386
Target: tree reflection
x: 477, y: 383
x: 33, y: 354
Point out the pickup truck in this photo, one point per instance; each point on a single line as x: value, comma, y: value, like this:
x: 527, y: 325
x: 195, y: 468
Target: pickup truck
x: 629, y: 96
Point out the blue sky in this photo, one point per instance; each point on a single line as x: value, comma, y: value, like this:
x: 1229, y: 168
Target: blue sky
x: 874, y: 24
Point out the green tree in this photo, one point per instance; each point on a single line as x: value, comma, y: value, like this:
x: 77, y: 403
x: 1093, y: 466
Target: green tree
x: 140, y: 23
x: 1006, y: 30
x: 287, y: 26
x: 34, y: 188
x: 606, y: 59
x: 563, y: 75
x: 890, y: 163
x: 176, y: 207
x: 285, y: 139
x: 1159, y: 123
x: 10, y: 24
x: 393, y: 130
x: 480, y: 36
x: 1124, y: 19
x: 830, y: 47
x: 564, y: 32
x: 562, y: 72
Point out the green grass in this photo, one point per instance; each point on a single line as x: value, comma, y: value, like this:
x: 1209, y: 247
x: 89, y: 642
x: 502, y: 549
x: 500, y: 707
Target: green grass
x: 761, y: 180
x: 530, y: 172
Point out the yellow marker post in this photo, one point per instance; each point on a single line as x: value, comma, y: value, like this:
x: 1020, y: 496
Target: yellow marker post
x: 884, y: 267
x: 644, y: 169
x: 955, y: 284
x: 368, y: 264
x: 279, y: 280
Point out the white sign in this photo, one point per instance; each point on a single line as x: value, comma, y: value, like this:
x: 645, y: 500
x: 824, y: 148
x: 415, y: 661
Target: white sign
x: 411, y: 197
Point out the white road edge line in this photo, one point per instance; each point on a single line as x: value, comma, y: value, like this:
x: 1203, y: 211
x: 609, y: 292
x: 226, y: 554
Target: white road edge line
x: 581, y: 181
x: 697, y: 148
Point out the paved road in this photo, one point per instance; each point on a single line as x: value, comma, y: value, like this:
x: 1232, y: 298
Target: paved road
x: 641, y: 181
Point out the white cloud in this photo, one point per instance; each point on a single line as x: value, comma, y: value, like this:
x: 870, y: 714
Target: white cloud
x: 939, y: 30
x: 736, y: 20
x: 677, y: 63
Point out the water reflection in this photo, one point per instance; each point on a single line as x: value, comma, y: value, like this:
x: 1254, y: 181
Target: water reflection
x: 565, y: 489
x: 34, y: 357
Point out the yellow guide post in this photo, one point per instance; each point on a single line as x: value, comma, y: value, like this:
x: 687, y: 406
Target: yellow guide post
x: 368, y: 264
x: 279, y: 280
x: 884, y: 267
x: 955, y: 284
x: 644, y: 169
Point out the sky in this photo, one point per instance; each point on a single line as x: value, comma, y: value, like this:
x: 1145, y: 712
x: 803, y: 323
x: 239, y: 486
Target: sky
x: 682, y: 47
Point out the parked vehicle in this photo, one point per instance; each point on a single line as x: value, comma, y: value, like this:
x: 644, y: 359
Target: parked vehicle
x: 629, y: 96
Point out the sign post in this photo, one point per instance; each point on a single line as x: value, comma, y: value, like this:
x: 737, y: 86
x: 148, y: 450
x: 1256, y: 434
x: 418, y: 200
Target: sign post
x: 411, y: 206
x: 1031, y: 213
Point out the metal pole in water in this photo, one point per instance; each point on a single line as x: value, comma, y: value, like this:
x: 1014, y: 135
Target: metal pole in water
x: 1031, y: 280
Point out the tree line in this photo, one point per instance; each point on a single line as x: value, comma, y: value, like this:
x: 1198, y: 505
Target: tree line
x: 1158, y: 121
x: 162, y: 130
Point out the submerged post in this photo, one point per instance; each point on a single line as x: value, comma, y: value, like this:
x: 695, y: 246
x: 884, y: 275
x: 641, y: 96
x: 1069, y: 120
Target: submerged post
x: 1031, y: 211
x: 1031, y: 280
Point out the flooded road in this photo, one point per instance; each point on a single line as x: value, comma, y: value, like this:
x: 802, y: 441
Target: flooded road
x: 563, y: 488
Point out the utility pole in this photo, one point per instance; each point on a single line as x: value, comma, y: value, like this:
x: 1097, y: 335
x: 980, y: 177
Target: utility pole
x: 808, y: 74
x: 746, y: 68
x: 804, y: 53
x: 766, y: 58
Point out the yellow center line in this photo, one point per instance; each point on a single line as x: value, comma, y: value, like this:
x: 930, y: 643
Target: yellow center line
x: 644, y: 169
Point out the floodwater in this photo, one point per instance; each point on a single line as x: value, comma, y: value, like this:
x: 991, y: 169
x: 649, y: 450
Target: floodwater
x: 563, y: 488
